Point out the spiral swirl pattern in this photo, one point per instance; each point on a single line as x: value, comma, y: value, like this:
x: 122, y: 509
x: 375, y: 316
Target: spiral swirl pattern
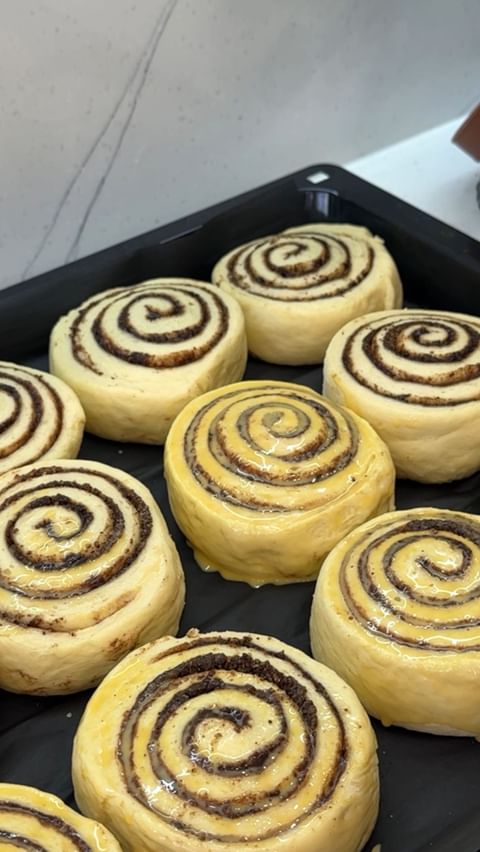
x: 299, y: 287
x: 265, y: 477
x: 80, y: 543
x: 39, y: 417
x: 427, y: 358
x: 158, y: 324
x: 226, y: 738
x: 268, y: 447
x: 39, y: 822
x: 302, y: 265
x: 65, y: 532
x: 396, y: 612
x: 415, y: 580
x: 57, y: 826
x: 136, y: 355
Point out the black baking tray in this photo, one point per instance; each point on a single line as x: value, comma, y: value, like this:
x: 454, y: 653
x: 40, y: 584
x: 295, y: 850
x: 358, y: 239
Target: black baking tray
x: 430, y: 786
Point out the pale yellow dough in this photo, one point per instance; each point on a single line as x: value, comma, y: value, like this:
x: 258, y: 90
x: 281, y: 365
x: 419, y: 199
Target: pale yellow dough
x: 223, y: 701
x: 298, y: 287
x: 415, y: 376
x: 136, y: 355
x: 40, y: 417
x: 31, y: 819
x: 264, y: 478
x: 88, y: 571
x: 396, y: 613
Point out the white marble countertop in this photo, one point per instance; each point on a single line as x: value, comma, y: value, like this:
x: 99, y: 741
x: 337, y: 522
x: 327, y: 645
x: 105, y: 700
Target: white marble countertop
x: 431, y: 173
x: 120, y: 116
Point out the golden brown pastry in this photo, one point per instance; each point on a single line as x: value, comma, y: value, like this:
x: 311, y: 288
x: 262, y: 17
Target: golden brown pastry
x: 396, y: 613
x: 415, y: 376
x: 298, y: 287
x: 227, y: 741
x: 40, y: 417
x: 88, y: 571
x: 40, y: 822
x: 136, y: 355
x: 265, y: 477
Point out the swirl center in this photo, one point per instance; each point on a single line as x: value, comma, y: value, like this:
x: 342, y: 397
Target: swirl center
x: 276, y: 438
x: 65, y: 533
x: 220, y: 734
x: 418, y: 582
x: 157, y: 325
x: 301, y: 266
x: 423, y: 359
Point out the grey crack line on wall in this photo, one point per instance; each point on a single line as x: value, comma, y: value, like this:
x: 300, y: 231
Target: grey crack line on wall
x: 146, y: 59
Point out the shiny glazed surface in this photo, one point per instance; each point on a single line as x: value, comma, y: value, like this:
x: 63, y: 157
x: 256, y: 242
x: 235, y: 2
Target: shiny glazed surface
x: 396, y: 612
x: 265, y: 477
x: 40, y: 822
x: 415, y: 376
x: 88, y: 571
x: 227, y: 741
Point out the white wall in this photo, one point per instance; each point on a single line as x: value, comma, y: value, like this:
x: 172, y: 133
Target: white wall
x: 117, y: 116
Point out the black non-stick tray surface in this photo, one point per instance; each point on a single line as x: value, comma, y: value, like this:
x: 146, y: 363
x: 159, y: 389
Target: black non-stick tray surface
x: 430, y: 786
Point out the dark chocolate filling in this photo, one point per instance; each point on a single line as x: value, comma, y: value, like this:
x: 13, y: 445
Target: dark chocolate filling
x: 459, y: 535
x: 242, y: 271
x: 100, y: 548
x: 46, y: 820
x: 207, y: 675
x: 34, y: 386
x: 435, y: 335
x: 218, y: 445
x: 21, y: 842
x: 213, y: 313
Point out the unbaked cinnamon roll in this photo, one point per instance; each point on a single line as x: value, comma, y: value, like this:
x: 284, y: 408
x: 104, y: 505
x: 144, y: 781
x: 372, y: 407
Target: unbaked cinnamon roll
x: 136, y: 355
x: 415, y: 376
x: 40, y: 822
x: 265, y: 477
x: 40, y: 417
x: 227, y: 741
x: 88, y: 571
x: 298, y: 287
x: 396, y: 613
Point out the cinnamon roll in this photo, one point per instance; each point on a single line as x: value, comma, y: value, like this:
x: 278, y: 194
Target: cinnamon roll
x: 39, y: 822
x: 415, y: 376
x: 298, y: 287
x: 227, y: 741
x: 40, y: 417
x: 265, y: 477
x: 396, y: 613
x: 88, y: 571
x: 136, y: 355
